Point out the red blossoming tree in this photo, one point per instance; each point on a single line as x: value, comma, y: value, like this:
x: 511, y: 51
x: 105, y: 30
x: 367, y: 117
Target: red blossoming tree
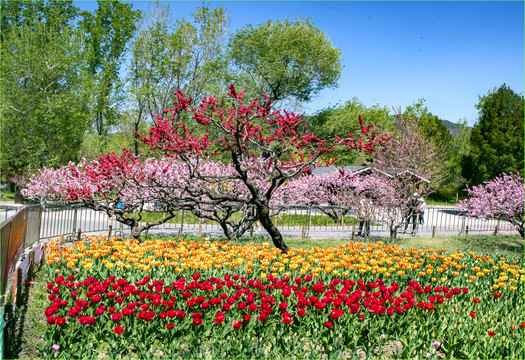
x: 265, y: 147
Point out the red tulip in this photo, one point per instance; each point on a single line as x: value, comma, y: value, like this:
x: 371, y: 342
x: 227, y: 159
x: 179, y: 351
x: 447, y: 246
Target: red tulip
x: 476, y: 300
x: 219, y: 317
x: 237, y: 324
x: 118, y: 330
x: 301, y: 312
x: 491, y: 333
x: 287, y: 319
x: 473, y: 314
x: 328, y: 324
x: 497, y: 295
x: 263, y: 317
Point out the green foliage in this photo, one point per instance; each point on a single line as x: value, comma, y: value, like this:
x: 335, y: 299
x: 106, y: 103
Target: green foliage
x: 55, y: 15
x: 454, y: 145
x: 432, y: 127
x: 108, y: 31
x: 496, y: 141
x: 284, y: 59
x: 167, y: 56
x: 345, y: 119
x: 44, y: 112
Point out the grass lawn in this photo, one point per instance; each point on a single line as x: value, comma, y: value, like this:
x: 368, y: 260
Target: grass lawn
x: 29, y: 325
x: 284, y: 219
x: 8, y: 196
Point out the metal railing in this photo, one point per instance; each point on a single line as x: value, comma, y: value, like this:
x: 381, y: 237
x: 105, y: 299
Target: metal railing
x: 18, y: 232
x: 66, y: 220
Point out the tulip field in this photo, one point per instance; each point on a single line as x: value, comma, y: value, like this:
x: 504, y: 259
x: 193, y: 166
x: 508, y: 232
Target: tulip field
x: 189, y: 299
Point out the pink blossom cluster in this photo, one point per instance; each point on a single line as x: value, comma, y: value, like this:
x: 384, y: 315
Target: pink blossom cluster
x: 501, y: 198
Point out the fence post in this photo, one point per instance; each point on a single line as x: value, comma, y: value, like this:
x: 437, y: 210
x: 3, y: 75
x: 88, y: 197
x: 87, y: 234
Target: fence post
x: 342, y: 220
x: 353, y: 232
x: 110, y: 230
x: 200, y: 227
x: 79, y: 234
x: 302, y: 233
x: 433, y: 231
x: 43, y: 258
x: 496, y: 230
x: 31, y: 264
x: 74, y: 224
x: 251, y: 231
x: 18, y: 286
x: 147, y: 229
x: 466, y: 230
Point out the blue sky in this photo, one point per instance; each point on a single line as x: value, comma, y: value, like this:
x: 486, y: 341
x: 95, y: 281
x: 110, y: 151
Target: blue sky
x: 449, y: 53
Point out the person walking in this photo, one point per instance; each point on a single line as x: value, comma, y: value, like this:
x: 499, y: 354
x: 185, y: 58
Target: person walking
x: 412, y: 213
x: 422, y: 207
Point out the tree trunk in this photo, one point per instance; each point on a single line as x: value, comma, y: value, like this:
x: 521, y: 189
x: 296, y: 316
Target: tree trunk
x: 231, y: 235
x: 136, y: 229
x: 393, y: 233
x: 520, y: 230
x: 267, y: 224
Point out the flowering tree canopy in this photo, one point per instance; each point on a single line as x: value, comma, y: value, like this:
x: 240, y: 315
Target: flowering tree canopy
x: 121, y: 186
x: 373, y: 197
x: 501, y: 198
x: 418, y: 161
x: 260, y: 143
x: 341, y: 191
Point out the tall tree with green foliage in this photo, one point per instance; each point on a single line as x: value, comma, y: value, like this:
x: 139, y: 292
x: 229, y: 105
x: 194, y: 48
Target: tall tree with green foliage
x: 288, y: 60
x: 345, y: 119
x: 496, y: 141
x: 44, y: 103
x: 57, y: 15
x: 454, y: 146
x: 108, y: 31
x: 167, y: 56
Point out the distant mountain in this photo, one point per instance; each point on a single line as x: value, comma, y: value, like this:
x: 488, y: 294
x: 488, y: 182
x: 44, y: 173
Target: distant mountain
x: 452, y: 127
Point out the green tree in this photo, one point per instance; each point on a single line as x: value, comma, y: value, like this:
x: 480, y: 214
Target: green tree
x: 288, y: 60
x: 108, y: 32
x: 496, y: 141
x: 345, y: 119
x: 431, y: 125
x: 54, y: 14
x: 43, y: 105
x: 167, y: 56
x: 434, y: 129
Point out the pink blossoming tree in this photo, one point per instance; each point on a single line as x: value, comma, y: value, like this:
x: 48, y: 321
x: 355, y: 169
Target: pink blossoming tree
x: 121, y: 186
x: 501, y: 198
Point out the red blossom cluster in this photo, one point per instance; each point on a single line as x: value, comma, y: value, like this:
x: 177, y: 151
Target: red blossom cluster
x: 234, y: 297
